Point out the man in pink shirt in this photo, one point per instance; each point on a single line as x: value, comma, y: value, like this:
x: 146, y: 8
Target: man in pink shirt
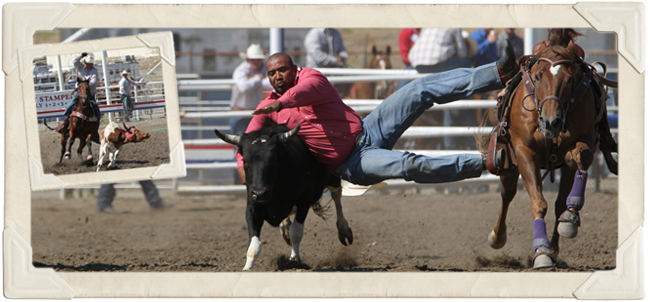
x: 360, y: 151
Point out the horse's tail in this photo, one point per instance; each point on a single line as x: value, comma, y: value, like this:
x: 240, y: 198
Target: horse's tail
x: 607, y: 145
x: 562, y: 36
x: 45, y: 123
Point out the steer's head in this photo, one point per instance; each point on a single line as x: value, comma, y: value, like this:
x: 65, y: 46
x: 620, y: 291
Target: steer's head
x: 263, y: 151
x: 134, y: 134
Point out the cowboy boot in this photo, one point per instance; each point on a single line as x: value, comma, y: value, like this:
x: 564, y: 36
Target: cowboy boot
x: 507, y: 64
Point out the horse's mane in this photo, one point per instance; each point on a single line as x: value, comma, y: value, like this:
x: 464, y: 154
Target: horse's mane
x: 562, y: 36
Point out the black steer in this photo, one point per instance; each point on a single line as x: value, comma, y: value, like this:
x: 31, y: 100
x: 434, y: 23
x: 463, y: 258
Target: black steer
x: 282, y: 176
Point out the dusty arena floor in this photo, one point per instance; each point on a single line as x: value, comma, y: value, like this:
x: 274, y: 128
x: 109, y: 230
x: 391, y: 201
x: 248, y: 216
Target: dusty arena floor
x: 152, y: 152
x: 393, y: 233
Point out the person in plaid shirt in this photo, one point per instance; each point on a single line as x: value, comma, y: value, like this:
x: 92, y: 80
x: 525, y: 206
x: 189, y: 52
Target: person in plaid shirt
x: 439, y: 49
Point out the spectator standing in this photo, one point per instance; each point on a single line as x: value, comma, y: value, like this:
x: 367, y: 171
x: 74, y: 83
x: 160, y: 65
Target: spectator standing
x: 486, y: 40
x: 407, y: 38
x: 107, y: 194
x: 125, y: 94
x: 325, y: 48
x: 438, y: 50
x: 250, y: 84
x: 516, y: 42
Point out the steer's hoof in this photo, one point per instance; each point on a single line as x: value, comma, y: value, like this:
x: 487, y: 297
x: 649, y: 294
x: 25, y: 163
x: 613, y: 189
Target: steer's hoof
x: 497, y: 245
x: 346, y: 237
x: 543, y: 258
x: 89, y: 158
x: 568, y: 225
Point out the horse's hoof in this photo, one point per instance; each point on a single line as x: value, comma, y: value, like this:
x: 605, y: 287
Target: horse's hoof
x: 66, y: 155
x: 568, y: 224
x: 495, y: 245
x: 543, y: 258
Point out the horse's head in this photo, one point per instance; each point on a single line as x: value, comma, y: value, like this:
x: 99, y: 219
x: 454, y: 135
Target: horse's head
x: 555, y: 75
x: 380, y: 59
x: 83, y: 89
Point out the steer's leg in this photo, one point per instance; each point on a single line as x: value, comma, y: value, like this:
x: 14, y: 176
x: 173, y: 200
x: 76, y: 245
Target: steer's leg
x: 296, y: 230
x: 345, y: 232
x: 285, y: 226
x: 102, y: 154
x: 254, y: 229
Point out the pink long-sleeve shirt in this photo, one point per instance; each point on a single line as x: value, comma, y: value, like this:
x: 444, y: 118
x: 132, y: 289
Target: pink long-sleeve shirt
x: 327, y: 126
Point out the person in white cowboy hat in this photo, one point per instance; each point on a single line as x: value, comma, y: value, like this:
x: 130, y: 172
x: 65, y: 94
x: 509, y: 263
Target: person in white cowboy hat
x: 250, y: 84
x: 84, y: 64
x: 125, y: 94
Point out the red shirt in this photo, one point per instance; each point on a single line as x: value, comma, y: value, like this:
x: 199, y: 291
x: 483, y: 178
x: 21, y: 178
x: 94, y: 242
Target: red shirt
x: 406, y: 42
x: 327, y: 126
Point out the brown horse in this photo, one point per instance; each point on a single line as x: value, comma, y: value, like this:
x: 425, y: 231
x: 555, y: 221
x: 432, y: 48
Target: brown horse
x: 375, y: 90
x: 82, y: 124
x: 556, y: 119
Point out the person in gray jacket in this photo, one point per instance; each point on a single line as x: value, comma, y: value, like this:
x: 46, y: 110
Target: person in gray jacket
x: 125, y: 94
x: 325, y: 48
x: 107, y: 194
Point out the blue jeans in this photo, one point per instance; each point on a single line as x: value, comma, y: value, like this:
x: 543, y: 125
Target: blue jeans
x: 107, y: 193
x: 75, y: 100
x: 372, y: 160
x: 127, y: 106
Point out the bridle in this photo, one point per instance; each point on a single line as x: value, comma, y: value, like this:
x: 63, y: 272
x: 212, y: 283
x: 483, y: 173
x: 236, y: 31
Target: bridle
x: 576, y: 93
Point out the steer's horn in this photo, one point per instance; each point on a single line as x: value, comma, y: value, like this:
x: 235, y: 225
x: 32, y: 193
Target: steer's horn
x: 228, y: 138
x: 128, y: 129
x: 285, y: 136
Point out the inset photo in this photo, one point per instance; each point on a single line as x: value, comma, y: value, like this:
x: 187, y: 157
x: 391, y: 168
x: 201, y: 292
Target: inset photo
x: 99, y: 110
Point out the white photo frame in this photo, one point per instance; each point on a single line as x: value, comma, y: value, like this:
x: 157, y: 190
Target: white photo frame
x: 175, y: 168
x: 624, y: 282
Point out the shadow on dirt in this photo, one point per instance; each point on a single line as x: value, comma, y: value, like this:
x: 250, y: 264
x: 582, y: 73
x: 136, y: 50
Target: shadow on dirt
x: 90, y: 267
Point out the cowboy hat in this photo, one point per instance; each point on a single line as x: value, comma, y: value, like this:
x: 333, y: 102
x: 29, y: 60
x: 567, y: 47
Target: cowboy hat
x: 253, y: 52
x: 125, y: 72
x: 89, y: 59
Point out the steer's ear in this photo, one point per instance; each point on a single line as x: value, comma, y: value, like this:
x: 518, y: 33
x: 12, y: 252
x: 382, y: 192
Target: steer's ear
x: 228, y: 138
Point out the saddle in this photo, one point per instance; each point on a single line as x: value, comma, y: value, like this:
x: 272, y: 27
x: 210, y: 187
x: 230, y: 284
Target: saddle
x: 500, y: 134
x: 84, y: 117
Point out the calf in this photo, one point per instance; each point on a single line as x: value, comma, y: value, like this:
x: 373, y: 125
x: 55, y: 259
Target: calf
x: 113, y: 138
x: 283, y: 176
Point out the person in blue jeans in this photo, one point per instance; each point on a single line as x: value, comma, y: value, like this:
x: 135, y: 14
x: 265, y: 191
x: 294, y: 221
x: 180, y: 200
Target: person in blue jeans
x: 371, y: 159
x: 107, y: 194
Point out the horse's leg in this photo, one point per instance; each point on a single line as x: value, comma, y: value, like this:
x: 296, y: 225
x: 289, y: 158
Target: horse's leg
x: 89, y: 144
x: 70, y: 142
x: 579, y: 159
x: 82, y: 145
x: 566, y: 182
x: 532, y: 178
x: 64, y: 141
x: 498, y: 237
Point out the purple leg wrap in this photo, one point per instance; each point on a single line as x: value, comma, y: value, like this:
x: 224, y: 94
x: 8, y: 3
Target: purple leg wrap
x: 541, y: 239
x: 576, y: 198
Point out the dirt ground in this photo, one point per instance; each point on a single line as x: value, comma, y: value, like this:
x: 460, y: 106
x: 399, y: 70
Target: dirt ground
x: 152, y: 152
x: 394, y: 233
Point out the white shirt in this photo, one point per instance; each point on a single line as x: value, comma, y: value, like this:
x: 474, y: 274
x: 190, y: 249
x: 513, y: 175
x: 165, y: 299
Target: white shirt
x: 91, y: 75
x: 323, y: 45
x: 248, y: 93
x: 125, y: 85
